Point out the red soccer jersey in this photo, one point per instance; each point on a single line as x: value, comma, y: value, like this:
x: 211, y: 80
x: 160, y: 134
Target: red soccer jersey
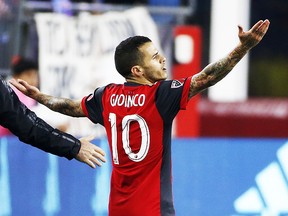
x: 138, y: 121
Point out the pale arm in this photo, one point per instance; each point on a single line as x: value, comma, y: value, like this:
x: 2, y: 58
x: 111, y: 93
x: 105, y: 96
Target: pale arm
x: 89, y: 153
x: 216, y: 71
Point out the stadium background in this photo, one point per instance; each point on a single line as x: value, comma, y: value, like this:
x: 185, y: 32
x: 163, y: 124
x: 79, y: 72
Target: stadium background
x: 230, y: 162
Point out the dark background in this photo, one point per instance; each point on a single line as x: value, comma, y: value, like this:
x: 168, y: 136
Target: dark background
x: 268, y: 74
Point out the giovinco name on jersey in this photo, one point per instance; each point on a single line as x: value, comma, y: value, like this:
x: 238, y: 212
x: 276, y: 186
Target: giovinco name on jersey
x: 127, y: 100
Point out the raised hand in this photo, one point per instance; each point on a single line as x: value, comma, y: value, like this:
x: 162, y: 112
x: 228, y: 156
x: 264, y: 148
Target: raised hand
x: 251, y: 38
x: 216, y: 71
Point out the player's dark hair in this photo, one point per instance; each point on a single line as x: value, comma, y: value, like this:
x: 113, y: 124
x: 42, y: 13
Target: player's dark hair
x: 127, y: 54
x: 20, y: 64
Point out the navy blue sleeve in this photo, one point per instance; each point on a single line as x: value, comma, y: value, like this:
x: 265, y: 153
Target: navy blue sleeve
x: 32, y: 130
x: 170, y: 97
x: 92, y: 106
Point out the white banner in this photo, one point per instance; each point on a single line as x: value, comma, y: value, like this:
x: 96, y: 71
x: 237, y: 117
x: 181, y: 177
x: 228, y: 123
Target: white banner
x: 76, y: 54
x: 223, y: 39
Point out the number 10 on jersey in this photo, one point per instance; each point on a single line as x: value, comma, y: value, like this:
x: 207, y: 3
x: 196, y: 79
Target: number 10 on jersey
x: 125, y: 129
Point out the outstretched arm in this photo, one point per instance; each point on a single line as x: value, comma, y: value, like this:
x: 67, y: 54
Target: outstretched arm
x: 216, y: 71
x: 31, y: 129
x: 62, y: 105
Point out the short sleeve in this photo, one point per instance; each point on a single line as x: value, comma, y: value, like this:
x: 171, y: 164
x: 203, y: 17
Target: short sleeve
x: 172, y: 96
x: 92, y: 106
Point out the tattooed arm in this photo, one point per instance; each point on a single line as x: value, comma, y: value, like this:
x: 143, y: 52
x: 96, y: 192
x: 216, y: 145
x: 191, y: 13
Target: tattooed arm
x: 216, y: 71
x: 62, y: 105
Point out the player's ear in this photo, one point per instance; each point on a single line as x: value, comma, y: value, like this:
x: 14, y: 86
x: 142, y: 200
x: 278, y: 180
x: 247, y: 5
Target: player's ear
x: 136, y: 71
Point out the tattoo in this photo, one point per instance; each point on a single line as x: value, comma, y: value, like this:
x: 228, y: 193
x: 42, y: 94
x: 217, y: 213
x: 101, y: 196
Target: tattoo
x: 62, y: 105
x: 215, y: 72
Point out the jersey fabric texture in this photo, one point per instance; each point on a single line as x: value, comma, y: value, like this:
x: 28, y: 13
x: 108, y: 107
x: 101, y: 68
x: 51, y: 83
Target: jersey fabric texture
x: 138, y: 121
x: 30, y: 129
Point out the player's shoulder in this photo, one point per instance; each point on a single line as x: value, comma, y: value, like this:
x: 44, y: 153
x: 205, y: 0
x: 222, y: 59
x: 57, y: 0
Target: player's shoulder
x: 172, y: 83
x: 113, y: 85
x: 108, y: 86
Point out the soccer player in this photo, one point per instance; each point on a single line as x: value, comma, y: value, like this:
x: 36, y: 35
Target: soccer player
x: 138, y: 116
x: 30, y: 129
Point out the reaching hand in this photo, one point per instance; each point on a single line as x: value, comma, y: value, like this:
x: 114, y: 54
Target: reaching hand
x: 25, y: 88
x: 251, y: 38
x: 90, y: 154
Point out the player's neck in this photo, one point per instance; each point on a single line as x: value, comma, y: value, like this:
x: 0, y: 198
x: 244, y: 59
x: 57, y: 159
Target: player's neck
x: 139, y: 81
